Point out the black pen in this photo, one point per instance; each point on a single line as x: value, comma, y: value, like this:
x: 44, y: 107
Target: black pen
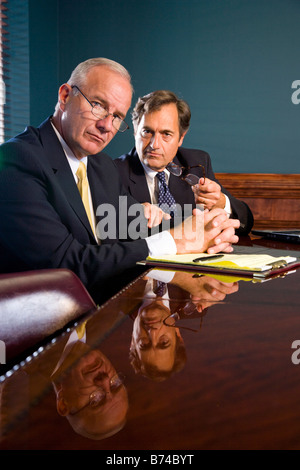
x: 205, y: 258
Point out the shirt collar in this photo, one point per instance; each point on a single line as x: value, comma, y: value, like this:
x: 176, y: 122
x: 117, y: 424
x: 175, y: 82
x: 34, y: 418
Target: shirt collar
x: 152, y: 173
x: 73, y: 161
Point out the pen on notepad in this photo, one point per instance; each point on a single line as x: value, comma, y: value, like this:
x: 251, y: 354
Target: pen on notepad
x: 205, y: 258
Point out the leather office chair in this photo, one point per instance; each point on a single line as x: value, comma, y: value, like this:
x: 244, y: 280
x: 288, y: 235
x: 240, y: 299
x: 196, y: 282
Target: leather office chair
x: 36, y: 304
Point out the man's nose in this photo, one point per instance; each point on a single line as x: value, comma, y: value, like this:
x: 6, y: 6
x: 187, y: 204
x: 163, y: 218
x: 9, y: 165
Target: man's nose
x: 152, y: 327
x: 155, y: 141
x: 101, y: 378
x: 106, y: 123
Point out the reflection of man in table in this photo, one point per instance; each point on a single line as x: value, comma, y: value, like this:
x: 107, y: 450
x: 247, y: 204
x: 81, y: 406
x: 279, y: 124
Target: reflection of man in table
x: 91, y: 394
x: 157, y: 348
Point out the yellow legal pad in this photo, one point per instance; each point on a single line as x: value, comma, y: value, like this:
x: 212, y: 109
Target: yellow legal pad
x: 252, y: 263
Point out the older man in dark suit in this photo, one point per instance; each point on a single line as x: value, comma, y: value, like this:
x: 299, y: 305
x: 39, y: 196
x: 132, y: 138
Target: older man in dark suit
x: 161, y: 121
x: 54, y: 216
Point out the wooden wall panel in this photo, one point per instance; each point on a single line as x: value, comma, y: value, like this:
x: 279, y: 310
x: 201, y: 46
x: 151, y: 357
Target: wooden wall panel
x: 274, y: 199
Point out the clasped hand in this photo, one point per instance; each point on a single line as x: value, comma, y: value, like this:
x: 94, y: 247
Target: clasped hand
x: 206, y: 231
x: 208, y: 193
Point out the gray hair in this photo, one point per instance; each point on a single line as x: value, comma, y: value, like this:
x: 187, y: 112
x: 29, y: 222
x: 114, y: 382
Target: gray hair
x: 78, y: 75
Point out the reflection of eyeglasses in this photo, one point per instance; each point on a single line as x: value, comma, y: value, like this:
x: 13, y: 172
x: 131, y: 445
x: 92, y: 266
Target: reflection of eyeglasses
x: 189, y: 309
x: 184, y: 174
x: 98, y: 396
x: 101, y: 113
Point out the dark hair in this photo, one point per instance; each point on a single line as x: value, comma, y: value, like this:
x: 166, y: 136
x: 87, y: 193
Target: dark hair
x: 152, y: 371
x: 154, y: 101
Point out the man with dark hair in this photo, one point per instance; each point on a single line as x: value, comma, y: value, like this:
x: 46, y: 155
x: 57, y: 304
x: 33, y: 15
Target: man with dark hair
x: 161, y: 121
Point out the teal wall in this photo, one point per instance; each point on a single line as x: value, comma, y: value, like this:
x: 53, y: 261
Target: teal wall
x: 234, y: 61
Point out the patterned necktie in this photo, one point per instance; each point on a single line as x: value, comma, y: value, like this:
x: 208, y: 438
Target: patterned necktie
x: 83, y: 187
x: 160, y: 288
x: 165, y: 199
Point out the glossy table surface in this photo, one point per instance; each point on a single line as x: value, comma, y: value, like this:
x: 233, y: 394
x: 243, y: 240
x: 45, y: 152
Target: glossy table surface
x: 222, y: 372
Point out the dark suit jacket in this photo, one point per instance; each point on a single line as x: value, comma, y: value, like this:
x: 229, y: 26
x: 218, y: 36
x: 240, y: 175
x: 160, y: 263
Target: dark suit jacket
x: 43, y: 221
x: 134, y: 180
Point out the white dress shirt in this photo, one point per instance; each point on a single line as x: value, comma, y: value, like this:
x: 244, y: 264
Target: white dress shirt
x: 74, y: 164
x: 158, y: 244
x: 152, y: 182
x: 153, y: 186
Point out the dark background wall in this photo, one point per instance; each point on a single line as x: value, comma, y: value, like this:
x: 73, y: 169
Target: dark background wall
x: 235, y: 62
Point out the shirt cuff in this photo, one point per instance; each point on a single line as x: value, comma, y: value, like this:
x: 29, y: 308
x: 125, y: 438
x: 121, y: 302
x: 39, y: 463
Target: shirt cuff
x: 227, y: 207
x: 161, y: 244
x: 162, y: 276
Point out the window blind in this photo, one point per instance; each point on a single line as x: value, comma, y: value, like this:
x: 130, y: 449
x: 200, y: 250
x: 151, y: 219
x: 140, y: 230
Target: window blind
x: 14, y: 105
x: 3, y: 67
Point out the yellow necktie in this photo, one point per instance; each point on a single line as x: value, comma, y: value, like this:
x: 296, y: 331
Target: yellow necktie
x: 80, y: 329
x: 83, y: 187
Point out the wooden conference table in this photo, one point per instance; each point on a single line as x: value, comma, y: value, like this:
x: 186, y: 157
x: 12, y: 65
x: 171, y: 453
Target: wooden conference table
x: 231, y: 382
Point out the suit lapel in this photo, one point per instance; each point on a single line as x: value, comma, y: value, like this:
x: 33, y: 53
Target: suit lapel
x: 139, y: 188
x: 62, y: 172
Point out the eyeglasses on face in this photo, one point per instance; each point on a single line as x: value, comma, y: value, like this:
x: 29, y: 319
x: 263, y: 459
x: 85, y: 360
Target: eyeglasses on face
x: 183, y: 172
x: 98, y: 396
x: 101, y: 113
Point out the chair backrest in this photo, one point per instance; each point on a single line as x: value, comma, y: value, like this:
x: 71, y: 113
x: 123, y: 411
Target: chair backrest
x: 36, y: 304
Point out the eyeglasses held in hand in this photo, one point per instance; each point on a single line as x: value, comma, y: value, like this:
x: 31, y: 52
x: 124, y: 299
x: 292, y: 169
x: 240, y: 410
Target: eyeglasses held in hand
x: 101, y: 113
x: 182, y: 314
x: 183, y: 172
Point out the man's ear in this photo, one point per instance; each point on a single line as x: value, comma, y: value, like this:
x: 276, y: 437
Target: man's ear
x: 63, y: 95
x: 61, y: 406
x: 181, y: 139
